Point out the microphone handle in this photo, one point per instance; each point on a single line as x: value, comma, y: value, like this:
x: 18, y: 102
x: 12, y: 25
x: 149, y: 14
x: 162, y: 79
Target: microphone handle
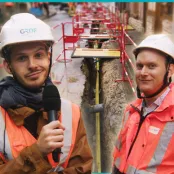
x: 55, y: 154
x: 52, y: 116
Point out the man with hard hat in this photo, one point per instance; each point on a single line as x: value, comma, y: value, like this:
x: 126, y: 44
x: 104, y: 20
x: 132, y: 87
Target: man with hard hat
x: 27, y: 140
x: 146, y: 140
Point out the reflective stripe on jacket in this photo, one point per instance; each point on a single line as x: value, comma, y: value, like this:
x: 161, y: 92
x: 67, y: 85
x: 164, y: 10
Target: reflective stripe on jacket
x: 18, y: 137
x: 152, y: 152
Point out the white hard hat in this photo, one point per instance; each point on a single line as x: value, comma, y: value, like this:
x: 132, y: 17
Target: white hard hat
x: 160, y: 42
x: 24, y: 27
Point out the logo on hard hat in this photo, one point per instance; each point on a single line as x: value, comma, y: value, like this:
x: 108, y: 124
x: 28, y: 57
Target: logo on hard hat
x: 28, y: 30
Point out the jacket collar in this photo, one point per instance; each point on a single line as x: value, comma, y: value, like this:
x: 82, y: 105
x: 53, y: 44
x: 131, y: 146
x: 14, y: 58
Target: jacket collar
x: 18, y: 115
x: 168, y: 100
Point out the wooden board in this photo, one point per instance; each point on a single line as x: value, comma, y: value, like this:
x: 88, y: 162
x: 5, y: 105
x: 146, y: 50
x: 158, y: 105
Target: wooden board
x: 95, y: 36
x: 126, y: 27
x: 98, y: 53
x: 91, y: 19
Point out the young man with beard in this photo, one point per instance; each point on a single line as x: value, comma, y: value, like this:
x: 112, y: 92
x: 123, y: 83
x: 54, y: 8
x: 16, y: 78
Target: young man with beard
x: 27, y: 140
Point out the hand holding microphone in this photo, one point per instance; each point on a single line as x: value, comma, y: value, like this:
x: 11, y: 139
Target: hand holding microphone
x: 52, y: 134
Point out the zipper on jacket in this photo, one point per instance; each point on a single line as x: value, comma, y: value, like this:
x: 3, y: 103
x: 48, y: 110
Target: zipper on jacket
x: 142, y: 118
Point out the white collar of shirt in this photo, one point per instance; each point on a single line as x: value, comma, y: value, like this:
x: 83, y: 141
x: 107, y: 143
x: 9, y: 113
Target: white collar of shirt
x: 156, y: 103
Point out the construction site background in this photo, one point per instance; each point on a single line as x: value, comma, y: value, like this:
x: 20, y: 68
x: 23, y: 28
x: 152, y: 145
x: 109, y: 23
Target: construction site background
x: 146, y: 18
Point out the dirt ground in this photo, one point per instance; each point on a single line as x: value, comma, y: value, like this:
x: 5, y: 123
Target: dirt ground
x: 115, y: 95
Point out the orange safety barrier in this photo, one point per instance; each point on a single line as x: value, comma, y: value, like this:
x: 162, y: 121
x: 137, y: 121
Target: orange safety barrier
x: 111, y: 25
x: 117, y: 29
x: 124, y: 57
x: 65, y: 39
x: 106, y: 20
x: 71, y: 39
x: 78, y: 31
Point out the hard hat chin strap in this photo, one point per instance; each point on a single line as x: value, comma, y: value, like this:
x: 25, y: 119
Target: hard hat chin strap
x: 165, y: 84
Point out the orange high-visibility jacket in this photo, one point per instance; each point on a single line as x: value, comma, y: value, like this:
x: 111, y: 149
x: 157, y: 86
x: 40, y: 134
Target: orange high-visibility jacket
x: 18, y: 137
x: 152, y: 152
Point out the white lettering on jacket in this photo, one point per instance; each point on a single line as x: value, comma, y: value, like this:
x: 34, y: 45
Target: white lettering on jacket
x: 154, y: 130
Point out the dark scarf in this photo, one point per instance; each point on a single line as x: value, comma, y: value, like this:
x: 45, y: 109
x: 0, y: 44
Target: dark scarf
x: 13, y: 95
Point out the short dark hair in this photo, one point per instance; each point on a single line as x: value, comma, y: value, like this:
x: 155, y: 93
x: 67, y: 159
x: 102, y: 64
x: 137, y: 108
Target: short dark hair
x: 6, y: 52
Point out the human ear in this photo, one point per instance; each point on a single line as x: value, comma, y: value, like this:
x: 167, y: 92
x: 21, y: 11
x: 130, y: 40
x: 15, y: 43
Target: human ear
x: 171, y: 70
x: 7, y: 66
x: 49, y: 55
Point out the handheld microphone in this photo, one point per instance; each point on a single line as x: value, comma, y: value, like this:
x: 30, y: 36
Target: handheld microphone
x: 52, y: 105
